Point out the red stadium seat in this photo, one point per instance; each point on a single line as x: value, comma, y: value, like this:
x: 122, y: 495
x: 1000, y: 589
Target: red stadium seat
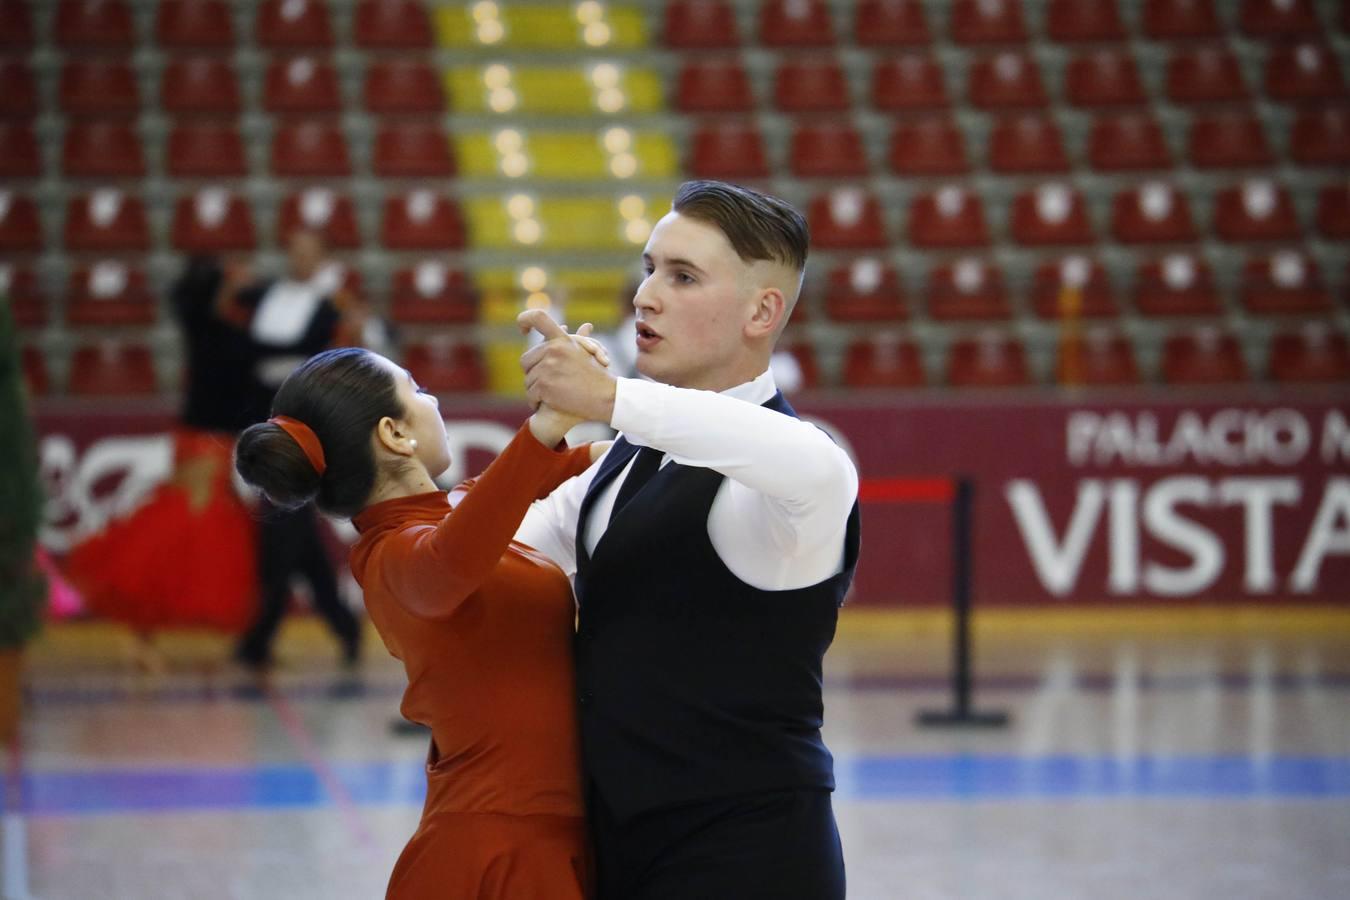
x: 1333, y: 211
x: 1303, y: 72
x: 35, y: 374
x: 1104, y: 78
x: 323, y: 210
x: 301, y: 84
x: 200, y: 85
x: 1131, y: 142
x: 1256, y: 210
x: 94, y: 25
x: 402, y: 87
x: 795, y: 23
x: 20, y: 286
x: 967, y: 289
x: 1100, y: 358
x: 1072, y: 287
x: 194, y: 24
x: 392, y: 25
x: 714, y: 86
x: 1073, y: 21
x: 811, y: 85
x: 911, y: 82
x: 109, y: 293
x: 1050, y: 214
x: 432, y: 292
x: 928, y: 146
x: 284, y: 24
x: 1208, y: 74
x: 20, y: 229
x: 112, y: 368
x: 885, y: 361
x: 1027, y: 143
x: 701, y: 25
x: 206, y: 150
x: 1229, y: 140
x: 846, y: 219
x: 313, y: 149
x: 422, y: 220
x: 1170, y: 20
x: 1154, y: 213
x: 865, y: 290
x: 1180, y: 284
x: 890, y: 23
x: 804, y: 355
x: 106, y: 221
x: 987, y: 361
x: 16, y: 24
x: 1006, y: 80
x: 19, y: 153
x: 728, y: 149
x: 19, y: 97
x: 1313, y: 353
x: 100, y: 149
x: 1202, y: 356
x: 827, y: 150
x: 1283, y: 283
x: 442, y: 366
x: 412, y: 150
x: 1265, y: 19
x: 951, y: 216
x: 99, y: 88
x: 987, y: 22
x: 212, y: 220
x: 1321, y: 136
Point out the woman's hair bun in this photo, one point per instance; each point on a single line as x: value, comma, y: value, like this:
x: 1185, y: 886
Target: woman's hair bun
x: 269, y: 459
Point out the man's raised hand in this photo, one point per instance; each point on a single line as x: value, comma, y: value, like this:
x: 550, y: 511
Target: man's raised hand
x: 566, y: 372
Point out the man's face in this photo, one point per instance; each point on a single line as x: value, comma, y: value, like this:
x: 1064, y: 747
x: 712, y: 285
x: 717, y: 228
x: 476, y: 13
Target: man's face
x: 304, y: 250
x: 692, y: 307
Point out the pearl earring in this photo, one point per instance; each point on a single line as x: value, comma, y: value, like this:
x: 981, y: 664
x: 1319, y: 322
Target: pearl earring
x: 412, y: 442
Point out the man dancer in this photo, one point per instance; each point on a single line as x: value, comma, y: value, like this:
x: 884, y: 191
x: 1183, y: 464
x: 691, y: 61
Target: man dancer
x: 713, y: 546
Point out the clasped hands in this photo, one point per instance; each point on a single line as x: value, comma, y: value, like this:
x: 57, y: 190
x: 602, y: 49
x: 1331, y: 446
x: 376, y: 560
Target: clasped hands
x: 566, y: 374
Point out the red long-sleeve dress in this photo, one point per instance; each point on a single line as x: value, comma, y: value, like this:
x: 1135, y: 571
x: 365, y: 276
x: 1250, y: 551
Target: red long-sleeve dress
x: 484, y: 628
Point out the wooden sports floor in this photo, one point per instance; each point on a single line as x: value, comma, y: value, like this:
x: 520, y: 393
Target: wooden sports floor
x: 1187, y: 754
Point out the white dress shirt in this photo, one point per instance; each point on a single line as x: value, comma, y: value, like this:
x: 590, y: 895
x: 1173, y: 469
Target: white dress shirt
x: 778, y: 519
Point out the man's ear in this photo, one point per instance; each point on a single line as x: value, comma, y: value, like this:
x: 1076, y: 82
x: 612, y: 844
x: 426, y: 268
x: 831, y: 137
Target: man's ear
x: 769, y: 313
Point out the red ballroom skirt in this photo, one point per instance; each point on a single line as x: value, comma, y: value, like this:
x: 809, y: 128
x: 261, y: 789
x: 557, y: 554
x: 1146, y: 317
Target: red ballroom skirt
x: 185, y: 558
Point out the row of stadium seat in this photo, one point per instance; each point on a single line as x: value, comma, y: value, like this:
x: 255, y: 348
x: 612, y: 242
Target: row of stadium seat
x: 951, y: 217
x: 689, y: 24
x: 866, y: 290
x: 112, y: 367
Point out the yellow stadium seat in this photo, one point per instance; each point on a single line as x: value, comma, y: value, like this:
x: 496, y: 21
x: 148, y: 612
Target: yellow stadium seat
x: 605, y: 154
x: 528, y: 221
x: 579, y: 89
x: 515, y: 26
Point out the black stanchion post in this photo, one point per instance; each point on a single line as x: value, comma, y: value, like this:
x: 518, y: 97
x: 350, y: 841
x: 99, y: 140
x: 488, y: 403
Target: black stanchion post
x: 963, y: 569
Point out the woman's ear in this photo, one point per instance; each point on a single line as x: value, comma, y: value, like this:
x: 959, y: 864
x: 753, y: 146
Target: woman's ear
x: 394, y: 438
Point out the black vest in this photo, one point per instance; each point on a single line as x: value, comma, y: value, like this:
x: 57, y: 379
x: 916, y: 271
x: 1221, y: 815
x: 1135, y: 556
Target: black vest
x: 692, y: 684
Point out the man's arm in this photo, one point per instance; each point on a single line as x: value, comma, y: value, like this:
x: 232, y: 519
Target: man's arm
x: 550, y: 524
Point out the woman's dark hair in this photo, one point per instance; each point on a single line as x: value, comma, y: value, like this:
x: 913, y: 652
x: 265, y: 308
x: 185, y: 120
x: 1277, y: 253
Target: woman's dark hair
x: 341, y: 395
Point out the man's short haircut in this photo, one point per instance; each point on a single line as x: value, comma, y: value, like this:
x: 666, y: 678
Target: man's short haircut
x: 757, y: 225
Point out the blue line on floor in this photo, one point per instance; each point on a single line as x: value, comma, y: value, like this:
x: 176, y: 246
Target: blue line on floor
x: 899, y: 778
x: 339, y: 690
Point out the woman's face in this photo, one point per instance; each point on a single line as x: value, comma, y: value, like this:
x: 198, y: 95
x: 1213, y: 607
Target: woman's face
x: 422, y: 421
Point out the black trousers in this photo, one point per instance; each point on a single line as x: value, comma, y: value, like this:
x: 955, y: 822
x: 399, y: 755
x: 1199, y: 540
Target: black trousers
x: 289, y: 543
x: 782, y: 845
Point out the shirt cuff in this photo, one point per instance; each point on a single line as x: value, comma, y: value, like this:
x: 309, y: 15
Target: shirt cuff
x: 638, y: 407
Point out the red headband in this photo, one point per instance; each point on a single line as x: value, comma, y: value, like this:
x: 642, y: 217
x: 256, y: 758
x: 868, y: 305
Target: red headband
x: 303, y: 435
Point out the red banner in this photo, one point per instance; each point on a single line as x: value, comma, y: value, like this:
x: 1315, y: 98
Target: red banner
x: 1163, y: 499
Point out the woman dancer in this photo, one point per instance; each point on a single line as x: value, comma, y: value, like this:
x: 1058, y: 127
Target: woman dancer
x: 482, y: 624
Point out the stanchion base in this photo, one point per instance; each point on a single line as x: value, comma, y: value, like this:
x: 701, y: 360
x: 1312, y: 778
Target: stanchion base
x: 955, y: 718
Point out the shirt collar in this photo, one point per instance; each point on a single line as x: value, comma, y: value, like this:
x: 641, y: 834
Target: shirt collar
x: 758, y: 392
